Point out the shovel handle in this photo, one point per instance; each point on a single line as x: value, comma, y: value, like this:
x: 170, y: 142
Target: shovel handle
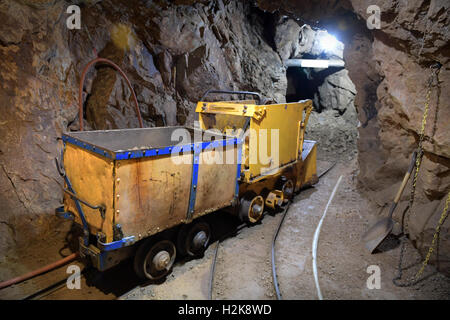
x: 399, y: 194
x: 402, y: 187
x: 406, y: 178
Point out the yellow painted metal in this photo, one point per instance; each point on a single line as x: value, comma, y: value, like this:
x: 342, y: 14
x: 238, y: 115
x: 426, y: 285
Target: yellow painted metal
x: 240, y: 101
x: 92, y: 178
x: 232, y: 108
x: 152, y: 194
x: 253, y: 210
x: 148, y: 195
x: 274, y: 199
x: 307, y: 171
x: 302, y: 172
x: 302, y: 128
x: 222, y: 122
x: 275, y: 138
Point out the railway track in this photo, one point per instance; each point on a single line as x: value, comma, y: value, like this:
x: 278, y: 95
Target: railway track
x: 274, y: 274
x: 51, y: 289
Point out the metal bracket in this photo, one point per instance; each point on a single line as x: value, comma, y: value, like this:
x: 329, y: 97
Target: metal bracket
x: 100, y: 208
x: 124, y: 242
x: 194, y: 180
x: 117, y: 232
x: 238, y: 171
x: 62, y: 171
x: 260, y: 99
x: 64, y: 214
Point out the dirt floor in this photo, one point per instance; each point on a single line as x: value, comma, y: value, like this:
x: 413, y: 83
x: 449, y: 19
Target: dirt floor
x: 243, y: 268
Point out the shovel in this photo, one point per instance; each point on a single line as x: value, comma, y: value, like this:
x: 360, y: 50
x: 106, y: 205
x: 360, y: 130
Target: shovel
x: 379, y: 231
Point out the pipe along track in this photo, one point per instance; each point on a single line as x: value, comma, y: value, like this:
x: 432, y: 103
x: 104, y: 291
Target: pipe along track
x: 274, y: 273
x: 39, y: 271
x: 38, y: 295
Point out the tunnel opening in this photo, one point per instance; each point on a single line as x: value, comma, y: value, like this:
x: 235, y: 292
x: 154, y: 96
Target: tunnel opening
x: 304, y: 83
x: 333, y: 122
x: 300, y: 85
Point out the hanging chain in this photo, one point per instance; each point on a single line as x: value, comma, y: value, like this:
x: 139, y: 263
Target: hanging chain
x: 420, y: 149
x: 435, y: 237
x: 413, y: 192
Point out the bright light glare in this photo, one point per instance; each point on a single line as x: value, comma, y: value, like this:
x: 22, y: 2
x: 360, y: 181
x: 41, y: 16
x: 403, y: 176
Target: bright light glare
x: 328, y: 42
x: 310, y: 63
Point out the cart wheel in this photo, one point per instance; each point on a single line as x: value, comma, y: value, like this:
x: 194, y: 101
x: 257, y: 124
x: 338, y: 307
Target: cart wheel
x: 154, y: 259
x: 251, y: 208
x: 288, y: 190
x: 193, y: 238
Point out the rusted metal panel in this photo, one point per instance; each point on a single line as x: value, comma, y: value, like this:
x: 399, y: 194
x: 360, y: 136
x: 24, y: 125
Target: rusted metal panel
x: 144, y: 182
x: 216, y: 181
x: 152, y: 194
x: 92, y: 179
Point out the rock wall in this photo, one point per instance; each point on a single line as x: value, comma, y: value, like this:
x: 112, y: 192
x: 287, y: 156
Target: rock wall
x: 390, y: 68
x: 171, y: 51
x: 413, y: 37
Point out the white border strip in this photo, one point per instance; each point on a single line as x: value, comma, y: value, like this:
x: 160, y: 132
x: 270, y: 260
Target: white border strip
x: 316, y: 239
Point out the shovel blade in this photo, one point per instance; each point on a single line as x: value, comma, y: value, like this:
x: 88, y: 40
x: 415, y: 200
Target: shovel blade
x: 377, y: 233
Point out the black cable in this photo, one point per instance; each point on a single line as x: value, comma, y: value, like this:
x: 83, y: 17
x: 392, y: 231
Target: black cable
x: 274, y: 272
x: 326, y: 171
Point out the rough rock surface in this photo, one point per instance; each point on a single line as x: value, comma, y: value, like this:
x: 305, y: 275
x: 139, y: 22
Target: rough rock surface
x: 287, y: 36
x: 410, y: 40
x: 172, y: 53
x: 337, y: 92
x: 334, y: 120
x: 390, y: 69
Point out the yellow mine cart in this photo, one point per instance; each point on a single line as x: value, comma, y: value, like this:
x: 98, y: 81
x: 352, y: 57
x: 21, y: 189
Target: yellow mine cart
x: 276, y: 160
x: 144, y: 192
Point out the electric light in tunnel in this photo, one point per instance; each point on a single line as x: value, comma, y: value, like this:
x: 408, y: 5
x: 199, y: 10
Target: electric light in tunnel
x: 328, y: 42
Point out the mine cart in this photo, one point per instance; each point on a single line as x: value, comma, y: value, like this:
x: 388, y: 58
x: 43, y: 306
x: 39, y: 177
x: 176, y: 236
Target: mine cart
x: 271, y: 131
x: 142, y: 192
x: 126, y: 185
